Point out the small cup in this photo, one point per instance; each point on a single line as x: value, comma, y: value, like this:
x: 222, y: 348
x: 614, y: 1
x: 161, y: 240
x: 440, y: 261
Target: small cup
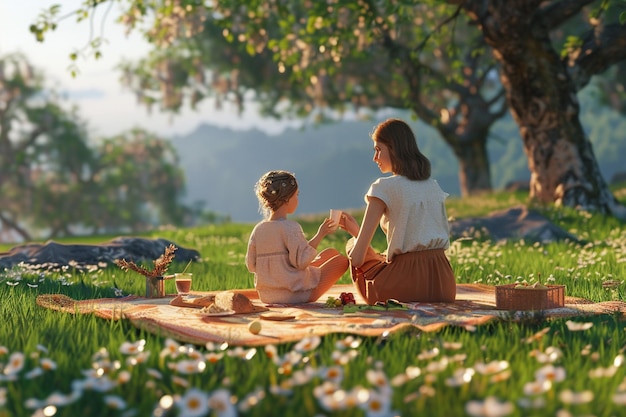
x: 183, y: 283
x: 335, y: 215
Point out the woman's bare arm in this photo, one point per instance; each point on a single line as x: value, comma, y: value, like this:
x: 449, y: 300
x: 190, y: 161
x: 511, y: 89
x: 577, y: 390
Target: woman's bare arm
x: 373, y: 212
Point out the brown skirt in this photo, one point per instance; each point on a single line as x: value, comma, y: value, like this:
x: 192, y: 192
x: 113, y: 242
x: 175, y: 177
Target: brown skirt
x: 423, y: 276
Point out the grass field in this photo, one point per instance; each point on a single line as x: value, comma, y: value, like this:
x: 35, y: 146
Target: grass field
x: 56, y: 364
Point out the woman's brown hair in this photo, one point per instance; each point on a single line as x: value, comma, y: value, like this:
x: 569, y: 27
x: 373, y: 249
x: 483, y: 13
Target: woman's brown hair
x: 406, y: 158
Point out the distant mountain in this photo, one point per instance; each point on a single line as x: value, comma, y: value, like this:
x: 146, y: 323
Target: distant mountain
x: 333, y: 162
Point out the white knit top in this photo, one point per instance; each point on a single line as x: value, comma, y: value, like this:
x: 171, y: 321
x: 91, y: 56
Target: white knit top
x: 415, y: 218
x: 279, y: 256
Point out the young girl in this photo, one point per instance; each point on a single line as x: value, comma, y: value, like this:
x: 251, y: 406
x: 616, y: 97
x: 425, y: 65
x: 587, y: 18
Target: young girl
x: 409, y: 206
x: 287, y: 267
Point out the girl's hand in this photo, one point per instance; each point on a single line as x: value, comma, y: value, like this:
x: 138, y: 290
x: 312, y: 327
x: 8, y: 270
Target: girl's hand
x: 326, y: 228
x: 349, y: 224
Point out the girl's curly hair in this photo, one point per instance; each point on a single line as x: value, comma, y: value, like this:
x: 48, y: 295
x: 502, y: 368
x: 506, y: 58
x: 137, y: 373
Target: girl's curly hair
x: 274, y: 189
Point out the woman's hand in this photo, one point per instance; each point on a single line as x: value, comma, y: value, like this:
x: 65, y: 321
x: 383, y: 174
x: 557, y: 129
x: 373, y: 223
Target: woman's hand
x: 349, y: 224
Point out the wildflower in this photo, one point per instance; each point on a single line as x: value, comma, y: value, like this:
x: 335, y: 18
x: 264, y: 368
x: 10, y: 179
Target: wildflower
x: 491, y: 407
x: 377, y: 378
x: 349, y: 342
x: 576, y: 327
x: 123, y: 377
x: 154, y: 373
x: 551, y: 373
x: 15, y: 364
x: 114, y: 402
x: 286, y: 368
x: 193, y: 403
x: 428, y: 354
x: 437, y: 366
x: 332, y: 373
x: 99, y: 384
x: 166, y: 402
x: 343, y: 357
x: 171, y: 348
x: 460, y: 377
x: 570, y: 397
x: 619, y: 398
x: 356, y: 396
x: 308, y: 344
x: 33, y: 373
x: 182, y: 382
x: 100, y: 355
x: 327, y: 388
x: 129, y: 348
x: 282, y: 389
x: 601, y: 372
x: 459, y: 357
x: 501, y: 376
x: 537, y: 336
x: 48, y: 364
x: 303, y: 376
x: 618, y: 361
x: 427, y: 391
x: 491, y: 367
x: 452, y: 345
x: 271, y: 352
x: 213, y: 357
x: 251, y: 400
x: 141, y: 357
x: 242, y: 353
x: 292, y: 357
x: 334, y: 401
x: 537, y: 387
x: 378, y: 405
x: 220, y: 402
x: 58, y: 399
x: 532, y: 403
x: 190, y: 366
x: 409, y: 373
x: 551, y: 354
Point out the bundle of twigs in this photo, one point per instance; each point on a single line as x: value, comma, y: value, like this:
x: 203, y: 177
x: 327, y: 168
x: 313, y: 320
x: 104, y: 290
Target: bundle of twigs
x: 160, y: 265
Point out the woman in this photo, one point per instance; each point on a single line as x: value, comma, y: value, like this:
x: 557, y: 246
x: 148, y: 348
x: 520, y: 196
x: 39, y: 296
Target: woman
x: 409, y: 206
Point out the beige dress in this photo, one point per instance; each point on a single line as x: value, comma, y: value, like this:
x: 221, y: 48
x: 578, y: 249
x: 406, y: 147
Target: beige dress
x: 415, y: 223
x: 279, y: 255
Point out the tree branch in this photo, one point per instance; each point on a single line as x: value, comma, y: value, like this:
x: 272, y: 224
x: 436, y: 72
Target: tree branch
x: 556, y: 13
x: 600, y: 50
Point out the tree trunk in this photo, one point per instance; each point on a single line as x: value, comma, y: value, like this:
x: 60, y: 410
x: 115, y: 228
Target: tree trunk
x: 474, y: 173
x: 542, y: 98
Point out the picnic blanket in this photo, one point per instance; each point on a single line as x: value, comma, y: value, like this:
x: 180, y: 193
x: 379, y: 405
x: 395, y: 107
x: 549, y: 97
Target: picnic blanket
x: 474, y: 305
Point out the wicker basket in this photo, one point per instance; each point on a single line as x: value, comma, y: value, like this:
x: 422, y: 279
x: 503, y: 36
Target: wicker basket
x: 510, y: 298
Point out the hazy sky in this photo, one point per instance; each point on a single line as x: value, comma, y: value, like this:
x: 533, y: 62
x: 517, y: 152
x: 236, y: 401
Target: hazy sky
x: 107, y: 107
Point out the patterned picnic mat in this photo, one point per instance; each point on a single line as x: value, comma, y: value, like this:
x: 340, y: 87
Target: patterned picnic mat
x: 475, y: 305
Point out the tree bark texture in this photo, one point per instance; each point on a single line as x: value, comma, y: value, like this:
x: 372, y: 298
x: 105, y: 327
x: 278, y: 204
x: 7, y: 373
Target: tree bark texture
x: 542, y: 98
